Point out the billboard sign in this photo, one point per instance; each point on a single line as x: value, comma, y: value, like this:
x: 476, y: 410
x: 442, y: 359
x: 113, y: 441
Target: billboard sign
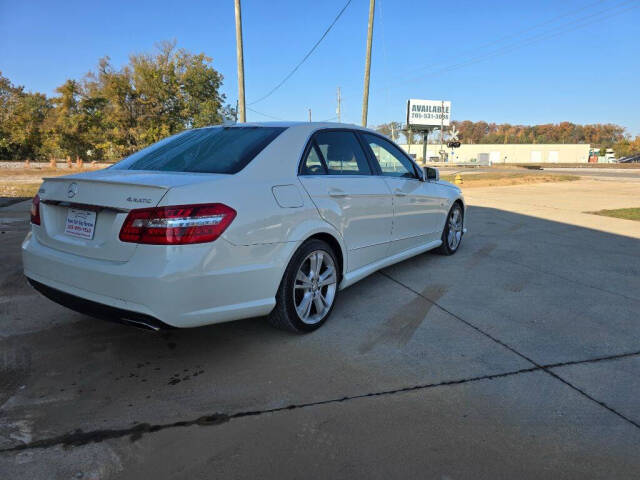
x: 428, y: 113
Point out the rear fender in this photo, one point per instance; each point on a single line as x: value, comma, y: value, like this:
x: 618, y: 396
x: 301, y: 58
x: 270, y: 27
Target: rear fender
x: 312, y: 227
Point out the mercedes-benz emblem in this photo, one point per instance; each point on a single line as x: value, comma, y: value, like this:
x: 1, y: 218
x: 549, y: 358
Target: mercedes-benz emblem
x: 72, y: 191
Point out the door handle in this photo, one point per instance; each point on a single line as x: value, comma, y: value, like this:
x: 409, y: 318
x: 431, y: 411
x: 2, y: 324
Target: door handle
x: 399, y: 193
x: 336, y: 192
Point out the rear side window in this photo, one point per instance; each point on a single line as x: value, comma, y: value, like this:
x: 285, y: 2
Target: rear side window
x: 313, y: 163
x: 205, y: 150
x: 342, y: 153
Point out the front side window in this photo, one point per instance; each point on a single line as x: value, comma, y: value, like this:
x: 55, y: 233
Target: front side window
x: 342, y: 153
x: 392, y: 161
x: 205, y: 150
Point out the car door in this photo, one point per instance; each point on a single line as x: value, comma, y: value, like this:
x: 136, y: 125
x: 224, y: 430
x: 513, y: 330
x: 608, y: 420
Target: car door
x: 340, y: 180
x: 415, y: 203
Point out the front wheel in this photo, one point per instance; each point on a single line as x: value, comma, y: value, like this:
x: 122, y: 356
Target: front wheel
x: 453, y: 230
x: 308, y: 289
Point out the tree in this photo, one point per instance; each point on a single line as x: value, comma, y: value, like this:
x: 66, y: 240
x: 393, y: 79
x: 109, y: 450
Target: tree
x: 605, y: 135
x: 111, y: 112
x: 22, y: 115
x: 413, y: 135
x: 627, y: 147
x: 391, y: 130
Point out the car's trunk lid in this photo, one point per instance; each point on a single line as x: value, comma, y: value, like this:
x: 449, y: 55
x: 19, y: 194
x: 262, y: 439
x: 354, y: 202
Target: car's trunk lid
x: 110, y: 195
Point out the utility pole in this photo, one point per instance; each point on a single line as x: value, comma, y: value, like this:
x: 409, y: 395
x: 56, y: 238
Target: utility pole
x: 441, y: 129
x: 309, y: 115
x: 367, y: 66
x: 240, y: 59
x: 338, y: 110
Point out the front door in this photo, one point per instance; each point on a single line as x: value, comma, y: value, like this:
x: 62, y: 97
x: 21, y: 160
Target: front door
x: 339, y: 178
x: 415, y: 203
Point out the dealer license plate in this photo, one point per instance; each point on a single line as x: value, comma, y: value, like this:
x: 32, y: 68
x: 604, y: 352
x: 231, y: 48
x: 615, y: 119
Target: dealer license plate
x: 80, y: 223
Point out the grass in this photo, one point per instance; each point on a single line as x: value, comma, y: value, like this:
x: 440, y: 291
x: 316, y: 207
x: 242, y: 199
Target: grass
x: 18, y: 190
x: 38, y: 172
x: 506, y: 179
x: 25, y: 182
x: 625, y: 213
x: 623, y: 166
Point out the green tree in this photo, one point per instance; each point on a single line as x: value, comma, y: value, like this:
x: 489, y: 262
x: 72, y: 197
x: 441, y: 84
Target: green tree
x: 113, y: 112
x: 22, y: 115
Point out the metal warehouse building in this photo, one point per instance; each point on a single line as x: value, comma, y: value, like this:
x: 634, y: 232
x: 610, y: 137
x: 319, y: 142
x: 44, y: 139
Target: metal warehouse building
x: 507, y: 153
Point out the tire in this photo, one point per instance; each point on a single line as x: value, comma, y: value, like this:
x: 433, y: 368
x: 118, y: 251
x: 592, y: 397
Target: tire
x: 301, y: 284
x: 455, y: 220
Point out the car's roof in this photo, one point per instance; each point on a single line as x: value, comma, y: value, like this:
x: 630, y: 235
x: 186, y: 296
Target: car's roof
x: 308, y: 125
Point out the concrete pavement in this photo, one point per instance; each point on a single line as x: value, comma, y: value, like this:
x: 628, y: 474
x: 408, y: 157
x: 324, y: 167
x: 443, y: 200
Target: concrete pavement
x: 517, y: 357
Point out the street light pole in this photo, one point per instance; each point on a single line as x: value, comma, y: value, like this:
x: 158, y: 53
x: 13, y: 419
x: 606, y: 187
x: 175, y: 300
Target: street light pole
x: 240, y: 60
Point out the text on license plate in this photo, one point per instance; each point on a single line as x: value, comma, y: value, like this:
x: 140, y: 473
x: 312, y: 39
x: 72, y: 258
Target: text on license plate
x: 80, y: 223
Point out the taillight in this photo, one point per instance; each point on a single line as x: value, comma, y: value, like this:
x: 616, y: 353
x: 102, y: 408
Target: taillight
x: 177, y: 225
x: 35, y: 210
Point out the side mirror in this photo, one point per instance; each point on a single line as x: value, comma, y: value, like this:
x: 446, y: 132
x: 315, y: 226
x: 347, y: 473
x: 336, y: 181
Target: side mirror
x: 431, y: 174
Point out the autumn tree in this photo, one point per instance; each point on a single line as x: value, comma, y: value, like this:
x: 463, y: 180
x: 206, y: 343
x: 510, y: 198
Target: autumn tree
x: 627, y: 147
x: 605, y: 135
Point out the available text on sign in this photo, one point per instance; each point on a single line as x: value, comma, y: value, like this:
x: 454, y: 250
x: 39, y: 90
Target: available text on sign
x: 428, y: 112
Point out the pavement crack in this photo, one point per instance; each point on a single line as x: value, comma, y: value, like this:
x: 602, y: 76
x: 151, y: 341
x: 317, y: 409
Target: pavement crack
x: 562, y: 277
x: 544, y: 368
x: 593, y: 399
x: 80, y: 438
x: 592, y: 360
x: 460, y: 319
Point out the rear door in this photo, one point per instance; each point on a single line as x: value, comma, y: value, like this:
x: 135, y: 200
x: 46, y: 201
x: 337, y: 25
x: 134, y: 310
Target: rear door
x: 337, y: 175
x: 415, y: 203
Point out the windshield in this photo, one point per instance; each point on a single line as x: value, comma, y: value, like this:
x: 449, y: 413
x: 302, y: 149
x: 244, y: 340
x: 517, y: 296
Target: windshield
x: 205, y: 150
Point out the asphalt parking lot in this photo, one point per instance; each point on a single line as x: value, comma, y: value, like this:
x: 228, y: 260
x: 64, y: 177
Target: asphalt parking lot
x: 518, y: 357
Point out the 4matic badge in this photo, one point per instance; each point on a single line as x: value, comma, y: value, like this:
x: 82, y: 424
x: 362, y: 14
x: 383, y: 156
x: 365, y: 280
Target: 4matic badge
x: 139, y: 200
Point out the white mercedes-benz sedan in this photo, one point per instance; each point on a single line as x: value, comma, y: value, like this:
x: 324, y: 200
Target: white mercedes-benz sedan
x: 229, y: 222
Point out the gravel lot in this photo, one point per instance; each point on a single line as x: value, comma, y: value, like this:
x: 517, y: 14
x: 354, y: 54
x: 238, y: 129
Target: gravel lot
x: 519, y: 357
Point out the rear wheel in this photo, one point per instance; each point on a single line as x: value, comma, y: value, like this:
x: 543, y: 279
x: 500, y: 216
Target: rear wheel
x: 453, y: 230
x: 308, y: 289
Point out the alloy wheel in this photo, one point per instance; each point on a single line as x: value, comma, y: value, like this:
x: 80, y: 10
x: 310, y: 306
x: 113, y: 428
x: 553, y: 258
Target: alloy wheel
x: 315, y: 287
x: 454, y: 234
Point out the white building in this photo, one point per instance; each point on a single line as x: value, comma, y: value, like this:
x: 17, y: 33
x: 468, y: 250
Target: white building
x: 486, y: 154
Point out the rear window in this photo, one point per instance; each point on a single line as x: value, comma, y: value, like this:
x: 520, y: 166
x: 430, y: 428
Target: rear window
x: 205, y: 150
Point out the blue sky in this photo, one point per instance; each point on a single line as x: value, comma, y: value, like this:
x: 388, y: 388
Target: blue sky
x: 523, y: 62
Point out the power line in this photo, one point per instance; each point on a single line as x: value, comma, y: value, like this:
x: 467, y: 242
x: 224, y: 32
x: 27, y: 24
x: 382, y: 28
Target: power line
x: 519, y: 33
x: 579, y: 23
x: 305, y: 57
x: 265, y: 114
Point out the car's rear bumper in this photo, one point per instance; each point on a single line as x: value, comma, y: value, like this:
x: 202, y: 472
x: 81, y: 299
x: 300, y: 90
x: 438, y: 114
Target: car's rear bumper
x: 99, y: 310
x: 181, y: 286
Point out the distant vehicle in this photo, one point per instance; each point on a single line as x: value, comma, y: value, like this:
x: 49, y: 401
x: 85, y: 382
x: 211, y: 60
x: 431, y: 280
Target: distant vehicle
x: 630, y: 159
x: 229, y: 222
